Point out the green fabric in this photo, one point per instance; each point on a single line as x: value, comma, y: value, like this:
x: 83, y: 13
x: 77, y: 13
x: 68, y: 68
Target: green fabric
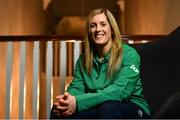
x: 125, y: 85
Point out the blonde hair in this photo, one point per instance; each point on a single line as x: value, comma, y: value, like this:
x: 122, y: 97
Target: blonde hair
x: 116, y: 48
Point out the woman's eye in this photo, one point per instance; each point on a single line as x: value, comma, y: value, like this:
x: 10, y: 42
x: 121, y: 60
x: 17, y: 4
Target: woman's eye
x: 92, y: 26
x: 103, y: 24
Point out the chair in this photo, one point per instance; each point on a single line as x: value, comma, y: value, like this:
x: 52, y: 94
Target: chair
x: 160, y: 74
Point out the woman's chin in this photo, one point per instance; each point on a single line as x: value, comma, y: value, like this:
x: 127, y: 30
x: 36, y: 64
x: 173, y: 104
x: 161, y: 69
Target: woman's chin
x: 99, y: 42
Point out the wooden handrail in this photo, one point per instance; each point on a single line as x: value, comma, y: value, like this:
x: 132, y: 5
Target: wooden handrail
x: 72, y: 37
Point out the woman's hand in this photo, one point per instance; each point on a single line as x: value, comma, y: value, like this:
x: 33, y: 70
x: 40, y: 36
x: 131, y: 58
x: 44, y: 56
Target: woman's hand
x: 71, y: 100
x: 66, y: 104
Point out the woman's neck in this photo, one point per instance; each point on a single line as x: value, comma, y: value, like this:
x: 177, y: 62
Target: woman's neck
x: 103, y: 50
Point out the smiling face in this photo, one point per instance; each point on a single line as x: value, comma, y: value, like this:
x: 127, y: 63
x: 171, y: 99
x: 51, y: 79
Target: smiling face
x: 101, y: 30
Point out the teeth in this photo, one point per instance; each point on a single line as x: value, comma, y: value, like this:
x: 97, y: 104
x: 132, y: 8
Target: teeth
x: 99, y: 35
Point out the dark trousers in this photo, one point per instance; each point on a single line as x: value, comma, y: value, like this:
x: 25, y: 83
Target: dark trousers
x: 108, y: 110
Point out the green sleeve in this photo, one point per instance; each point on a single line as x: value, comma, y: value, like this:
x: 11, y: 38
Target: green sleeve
x: 120, y: 89
x: 77, y: 85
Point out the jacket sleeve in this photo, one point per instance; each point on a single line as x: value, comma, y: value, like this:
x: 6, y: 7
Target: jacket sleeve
x: 122, y: 87
x: 77, y: 86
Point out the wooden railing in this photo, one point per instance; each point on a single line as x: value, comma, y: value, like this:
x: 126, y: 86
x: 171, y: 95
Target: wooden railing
x: 35, y: 69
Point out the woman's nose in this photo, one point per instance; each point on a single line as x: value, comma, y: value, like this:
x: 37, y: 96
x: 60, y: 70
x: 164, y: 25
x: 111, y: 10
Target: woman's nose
x: 98, y: 28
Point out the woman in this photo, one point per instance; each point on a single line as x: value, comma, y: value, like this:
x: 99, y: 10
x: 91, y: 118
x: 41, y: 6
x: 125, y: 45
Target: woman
x: 106, y: 79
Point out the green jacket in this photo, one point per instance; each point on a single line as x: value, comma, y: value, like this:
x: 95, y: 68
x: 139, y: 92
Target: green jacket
x: 125, y: 85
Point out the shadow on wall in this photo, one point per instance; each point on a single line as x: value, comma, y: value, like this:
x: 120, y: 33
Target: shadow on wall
x: 160, y: 73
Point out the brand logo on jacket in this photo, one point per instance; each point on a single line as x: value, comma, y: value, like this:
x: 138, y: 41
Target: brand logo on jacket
x: 134, y: 68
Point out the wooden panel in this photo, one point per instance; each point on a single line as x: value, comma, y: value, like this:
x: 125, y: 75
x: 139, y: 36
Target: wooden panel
x: 15, y: 81
x: 3, y: 47
x: 56, y: 79
x: 19, y: 17
x: 151, y: 16
x: 29, y: 81
x: 69, y: 60
x: 56, y: 58
x: 42, y: 84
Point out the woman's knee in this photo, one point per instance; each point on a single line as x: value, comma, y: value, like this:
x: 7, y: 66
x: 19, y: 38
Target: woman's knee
x: 108, y: 105
x: 106, y: 110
